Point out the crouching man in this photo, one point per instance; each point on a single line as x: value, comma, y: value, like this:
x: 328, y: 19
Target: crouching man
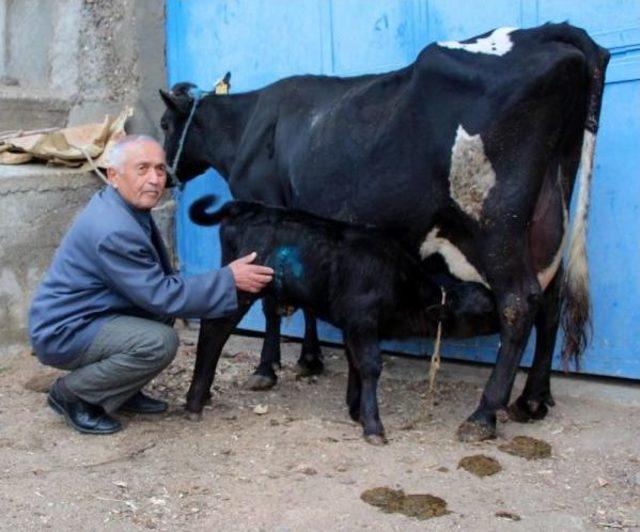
x: 104, y: 307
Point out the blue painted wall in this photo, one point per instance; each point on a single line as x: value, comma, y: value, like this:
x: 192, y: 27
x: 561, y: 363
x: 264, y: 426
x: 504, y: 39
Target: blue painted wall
x: 260, y: 41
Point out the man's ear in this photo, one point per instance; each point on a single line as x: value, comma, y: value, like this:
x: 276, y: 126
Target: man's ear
x: 111, y: 176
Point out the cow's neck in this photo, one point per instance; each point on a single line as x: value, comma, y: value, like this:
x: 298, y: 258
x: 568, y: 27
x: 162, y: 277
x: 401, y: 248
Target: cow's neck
x: 234, y: 111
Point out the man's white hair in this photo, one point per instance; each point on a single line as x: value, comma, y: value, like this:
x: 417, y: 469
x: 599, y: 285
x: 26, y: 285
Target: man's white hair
x: 117, y: 155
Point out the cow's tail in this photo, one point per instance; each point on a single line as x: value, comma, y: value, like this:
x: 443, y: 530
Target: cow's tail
x: 576, y: 301
x: 199, y: 215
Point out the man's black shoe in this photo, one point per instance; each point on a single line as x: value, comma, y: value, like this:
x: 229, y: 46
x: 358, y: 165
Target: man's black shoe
x: 143, y: 404
x: 83, y: 416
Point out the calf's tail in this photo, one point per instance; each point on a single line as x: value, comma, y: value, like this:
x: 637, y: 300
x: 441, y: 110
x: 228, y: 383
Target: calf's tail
x: 576, y: 301
x: 199, y: 215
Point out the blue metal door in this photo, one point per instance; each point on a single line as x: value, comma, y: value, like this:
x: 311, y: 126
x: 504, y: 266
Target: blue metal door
x: 260, y: 41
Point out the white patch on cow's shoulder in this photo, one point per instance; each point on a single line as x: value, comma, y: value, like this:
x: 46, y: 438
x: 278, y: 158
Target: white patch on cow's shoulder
x: 498, y: 43
x: 471, y: 177
x: 457, y: 263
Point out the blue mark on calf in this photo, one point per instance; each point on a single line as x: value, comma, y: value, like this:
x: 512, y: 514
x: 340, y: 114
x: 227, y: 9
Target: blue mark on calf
x: 287, y: 262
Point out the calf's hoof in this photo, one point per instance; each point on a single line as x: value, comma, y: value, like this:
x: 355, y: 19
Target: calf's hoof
x: 260, y: 382
x: 193, y: 416
x: 308, y: 367
x: 472, y: 431
x: 375, y: 439
x: 523, y: 410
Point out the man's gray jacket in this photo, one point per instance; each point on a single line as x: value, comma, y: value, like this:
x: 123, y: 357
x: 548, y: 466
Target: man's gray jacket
x: 113, y: 262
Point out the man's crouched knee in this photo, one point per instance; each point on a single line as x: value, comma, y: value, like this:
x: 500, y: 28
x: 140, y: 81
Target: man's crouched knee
x: 164, y: 346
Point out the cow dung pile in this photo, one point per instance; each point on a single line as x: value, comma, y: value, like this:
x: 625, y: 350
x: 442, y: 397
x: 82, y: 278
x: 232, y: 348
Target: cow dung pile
x: 526, y: 447
x: 421, y: 506
x: 480, y: 465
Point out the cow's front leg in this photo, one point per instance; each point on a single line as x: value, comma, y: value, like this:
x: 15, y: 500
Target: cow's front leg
x: 536, y: 396
x: 213, y: 336
x: 368, y: 362
x: 265, y: 377
x: 517, y: 308
x: 310, y: 361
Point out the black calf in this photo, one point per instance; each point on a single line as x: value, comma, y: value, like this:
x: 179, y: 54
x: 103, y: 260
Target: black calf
x: 358, y: 279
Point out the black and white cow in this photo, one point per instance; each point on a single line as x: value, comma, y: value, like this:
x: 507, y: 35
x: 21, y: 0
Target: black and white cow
x: 358, y: 279
x: 469, y: 154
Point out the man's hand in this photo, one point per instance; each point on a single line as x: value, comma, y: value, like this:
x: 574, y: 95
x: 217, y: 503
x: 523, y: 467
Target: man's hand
x: 250, y: 277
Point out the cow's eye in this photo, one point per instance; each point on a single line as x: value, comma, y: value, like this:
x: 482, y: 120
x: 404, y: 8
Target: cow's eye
x: 164, y: 125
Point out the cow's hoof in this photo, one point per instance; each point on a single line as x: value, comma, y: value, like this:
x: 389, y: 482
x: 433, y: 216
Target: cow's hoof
x: 523, y: 410
x: 193, y: 416
x: 471, y: 431
x: 260, y: 382
x: 309, y: 367
x: 354, y: 413
x: 375, y: 439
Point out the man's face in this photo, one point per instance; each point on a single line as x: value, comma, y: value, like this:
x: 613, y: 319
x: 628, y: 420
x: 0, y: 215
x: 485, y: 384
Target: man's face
x: 143, y: 176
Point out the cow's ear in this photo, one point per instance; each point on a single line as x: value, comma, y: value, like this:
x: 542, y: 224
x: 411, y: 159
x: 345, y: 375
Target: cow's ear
x: 180, y: 103
x: 168, y: 100
x: 223, y: 86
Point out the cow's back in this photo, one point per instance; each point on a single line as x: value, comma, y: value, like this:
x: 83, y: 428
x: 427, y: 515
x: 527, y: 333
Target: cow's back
x: 378, y: 149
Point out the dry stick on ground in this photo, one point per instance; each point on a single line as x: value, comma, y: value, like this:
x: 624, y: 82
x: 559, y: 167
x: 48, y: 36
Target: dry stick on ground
x: 434, y: 366
x: 120, y: 458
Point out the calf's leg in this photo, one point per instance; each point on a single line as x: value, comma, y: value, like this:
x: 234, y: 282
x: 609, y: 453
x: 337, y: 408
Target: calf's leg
x: 213, y: 336
x: 264, y: 377
x: 354, y: 387
x: 310, y: 361
x: 368, y: 362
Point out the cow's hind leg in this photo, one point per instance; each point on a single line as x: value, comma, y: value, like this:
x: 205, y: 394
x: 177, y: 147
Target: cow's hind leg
x: 264, y: 377
x: 536, y: 396
x: 310, y: 361
x: 214, y: 334
x: 518, y: 304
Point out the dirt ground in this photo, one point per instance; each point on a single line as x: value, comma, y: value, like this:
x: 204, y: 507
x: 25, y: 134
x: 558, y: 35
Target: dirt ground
x: 302, y: 465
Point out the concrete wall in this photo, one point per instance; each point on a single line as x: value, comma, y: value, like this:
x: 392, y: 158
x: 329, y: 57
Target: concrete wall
x: 63, y: 63
x: 95, y: 56
x: 37, y: 205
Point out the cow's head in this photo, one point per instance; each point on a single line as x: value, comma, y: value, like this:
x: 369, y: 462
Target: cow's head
x: 192, y: 158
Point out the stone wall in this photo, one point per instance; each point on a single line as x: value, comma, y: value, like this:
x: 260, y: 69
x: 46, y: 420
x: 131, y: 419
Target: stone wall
x: 92, y: 56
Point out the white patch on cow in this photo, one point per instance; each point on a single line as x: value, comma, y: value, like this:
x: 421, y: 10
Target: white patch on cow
x: 457, y: 263
x: 471, y: 177
x: 577, y: 276
x: 546, y: 276
x: 498, y: 43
